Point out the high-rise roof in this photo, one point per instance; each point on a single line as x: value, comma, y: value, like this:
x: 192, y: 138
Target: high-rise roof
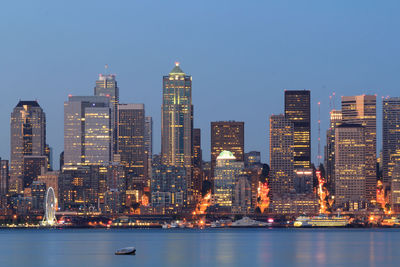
x: 22, y: 103
x: 176, y: 70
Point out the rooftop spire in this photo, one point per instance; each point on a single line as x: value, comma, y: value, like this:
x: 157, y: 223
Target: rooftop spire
x: 176, y: 70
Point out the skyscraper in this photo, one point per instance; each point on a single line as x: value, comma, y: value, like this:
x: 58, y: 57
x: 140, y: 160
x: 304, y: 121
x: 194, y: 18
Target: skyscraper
x: 4, y: 177
x: 197, y: 175
x: 106, y: 86
x: 362, y: 110
x: 335, y: 120
x: 148, y: 136
x: 148, y: 143
x: 350, y: 166
x: 390, y: 135
x: 87, y: 135
x: 281, y: 154
x: 131, y: 141
x: 297, y: 110
x: 229, y: 136
x: 177, y: 121
x: 28, y: 135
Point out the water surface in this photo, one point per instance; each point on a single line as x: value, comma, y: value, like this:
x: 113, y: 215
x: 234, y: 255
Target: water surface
x: 210, y: 247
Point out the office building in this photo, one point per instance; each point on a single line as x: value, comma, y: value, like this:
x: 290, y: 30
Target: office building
x: 4, y: 177
x: 28, y: 136
x: 350, y: 166
x: 87, y: 135
x: 297, y: 111
x: 252, y: 158
x: 226, y: 173
x: 281, y: 154
x: 148, y: 142
x: 168, y: 188
x: 362, y: 110
x: 177, y: 122
x: 227, y: 136
x: 32, y: 168
x: 131, y: 142
x: 390, y: 136
x: 106, y: 86
x: 197, y: 170
x: 335, y: 120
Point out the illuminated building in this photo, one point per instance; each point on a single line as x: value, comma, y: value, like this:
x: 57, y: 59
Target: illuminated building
x: 106, y: 86
x: 297, y: 111
x: 281, y: 154
x: 28, y: 136
x: 294, y: 204
x: 4, y: 177
x: 197, y: 175
x: 148, y: 142
x: 335, y: 120
x: 242, y: 195
x: 87, y: 136
x: 32, y: 168
x: 303, y: 181
x: 395, y: 183
x: 38, y: 195
x: 350, y: 166
x: 362, y: 110
x: 229, y: 136
x: 226, y: 172
x: 50, y: 178
x: 79, y: 188
x: 168, y: 188
x: 390, y: 135
x: 131, y: 143
x: 177, y: 122
x: 252, y: 158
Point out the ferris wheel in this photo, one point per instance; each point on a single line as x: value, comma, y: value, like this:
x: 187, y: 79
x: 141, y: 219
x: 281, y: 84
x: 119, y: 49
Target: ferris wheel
x: 49, y: 218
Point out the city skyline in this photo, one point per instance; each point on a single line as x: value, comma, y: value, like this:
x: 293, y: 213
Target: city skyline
x: 290, y: 51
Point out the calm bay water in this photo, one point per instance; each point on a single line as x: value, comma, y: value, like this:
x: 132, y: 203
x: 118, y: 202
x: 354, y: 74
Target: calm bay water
x: 210, y: 247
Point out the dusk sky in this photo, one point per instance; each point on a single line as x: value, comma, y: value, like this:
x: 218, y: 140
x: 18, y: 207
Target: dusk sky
x: 241, y: 54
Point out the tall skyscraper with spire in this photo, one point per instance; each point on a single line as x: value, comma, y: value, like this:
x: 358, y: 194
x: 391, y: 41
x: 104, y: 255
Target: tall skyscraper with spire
x: 106, y: 86
x: 177, y: 121
x: 28, y: 138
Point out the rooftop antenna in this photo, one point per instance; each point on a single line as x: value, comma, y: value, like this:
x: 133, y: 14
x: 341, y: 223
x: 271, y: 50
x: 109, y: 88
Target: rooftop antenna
x: 333, y: 95
x: 105, y: 68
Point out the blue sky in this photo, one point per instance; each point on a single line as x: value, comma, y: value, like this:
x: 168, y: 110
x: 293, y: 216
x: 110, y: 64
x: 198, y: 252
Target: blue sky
x: 241, y: 54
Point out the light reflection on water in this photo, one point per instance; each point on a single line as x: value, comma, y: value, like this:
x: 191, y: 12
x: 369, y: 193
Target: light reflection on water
x: 211, y: 247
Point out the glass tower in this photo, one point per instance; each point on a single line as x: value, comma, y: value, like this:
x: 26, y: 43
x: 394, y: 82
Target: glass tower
x: 106, y: 86
x: 177, y: 121
x: 297, y: 110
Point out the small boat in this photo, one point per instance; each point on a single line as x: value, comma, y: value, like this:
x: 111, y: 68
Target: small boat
x: 126, y: 251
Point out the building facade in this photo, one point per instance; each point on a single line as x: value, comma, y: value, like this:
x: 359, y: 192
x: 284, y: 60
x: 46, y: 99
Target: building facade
x: 131, y: 142
x: 281, y: 154
x: 106, y: 86
x: 350, y: 166
x: 297, y: 111
x: 390, y: 136
x: 226, y: 173
x: 227, y: 136
x: 28, y: 136
x: 335, y: 120
x: 362, y: 110
x: 87, y: 131
x: 177, y: 122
